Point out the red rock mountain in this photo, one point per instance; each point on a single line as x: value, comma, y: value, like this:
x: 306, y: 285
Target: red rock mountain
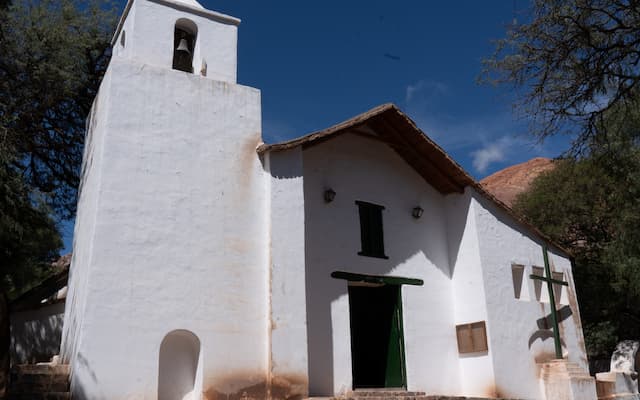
x: 506, y: 184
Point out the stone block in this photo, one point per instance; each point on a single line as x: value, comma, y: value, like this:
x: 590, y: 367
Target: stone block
x: 612, y: 384
x: 564, y: 380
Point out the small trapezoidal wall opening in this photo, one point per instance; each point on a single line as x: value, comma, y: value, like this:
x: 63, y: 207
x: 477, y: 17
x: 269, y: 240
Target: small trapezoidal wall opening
x: 179, y: 366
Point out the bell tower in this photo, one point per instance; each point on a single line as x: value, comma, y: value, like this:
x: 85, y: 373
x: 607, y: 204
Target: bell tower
x: 179, y: 34
x: 169, y: 279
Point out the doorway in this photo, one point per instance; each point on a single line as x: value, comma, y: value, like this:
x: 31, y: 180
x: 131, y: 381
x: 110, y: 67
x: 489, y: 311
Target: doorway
x: 377, y: 342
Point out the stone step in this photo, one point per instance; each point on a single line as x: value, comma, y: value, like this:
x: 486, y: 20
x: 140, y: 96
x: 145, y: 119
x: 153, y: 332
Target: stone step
x: 421, y: 397
x: 381, y: 397
x: 39, y: 377
x: 40, y: 396
x: 399, y: 395
x: 383, y: 393
x: 50, y: 369
x: 39, y: 382
x: 396, y: 397
x: 567, y: 368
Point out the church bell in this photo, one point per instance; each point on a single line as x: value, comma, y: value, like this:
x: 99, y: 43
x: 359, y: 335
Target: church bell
x: 183, y: 46
x: 182, y: 56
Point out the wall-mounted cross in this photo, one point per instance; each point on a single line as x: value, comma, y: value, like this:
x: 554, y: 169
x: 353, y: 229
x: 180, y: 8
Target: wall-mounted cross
x: 554, y: 315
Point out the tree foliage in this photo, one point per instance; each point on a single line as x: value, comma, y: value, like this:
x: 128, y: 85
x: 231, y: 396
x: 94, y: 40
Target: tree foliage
x: 29, y: 238
x: 574, y: 61
x: 53, y: 54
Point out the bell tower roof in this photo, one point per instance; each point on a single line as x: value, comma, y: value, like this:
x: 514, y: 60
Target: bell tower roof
x: 192, y: 3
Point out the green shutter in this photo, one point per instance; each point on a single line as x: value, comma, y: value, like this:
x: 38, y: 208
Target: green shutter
x: 371, y: 230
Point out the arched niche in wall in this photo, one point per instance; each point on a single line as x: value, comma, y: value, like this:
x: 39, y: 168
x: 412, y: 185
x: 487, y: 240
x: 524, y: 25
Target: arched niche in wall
x: 184, y: 43
x: 180, y: 365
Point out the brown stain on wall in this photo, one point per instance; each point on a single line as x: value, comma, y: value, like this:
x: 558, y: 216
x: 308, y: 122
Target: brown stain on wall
x: 544, y: 356
x: 245, y: 387
x: 248, y: 157
x: 244, y: 172
x: 289, y: 386
x: 492, y: 392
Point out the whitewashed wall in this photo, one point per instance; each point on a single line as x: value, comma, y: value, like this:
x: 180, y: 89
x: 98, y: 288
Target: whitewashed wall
x: 84, y: 228
x: 516, y: 332
x: 358, y: 168
x: 180, y: 236
x: 289, y: 362
x: 36, y: 334
x: 476, y: 369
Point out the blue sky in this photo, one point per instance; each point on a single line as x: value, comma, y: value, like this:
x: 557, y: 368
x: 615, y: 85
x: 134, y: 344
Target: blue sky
x: 318, y: 63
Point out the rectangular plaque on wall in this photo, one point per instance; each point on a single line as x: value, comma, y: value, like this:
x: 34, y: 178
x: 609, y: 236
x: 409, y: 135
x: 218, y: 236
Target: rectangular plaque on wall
x: 472, y: 338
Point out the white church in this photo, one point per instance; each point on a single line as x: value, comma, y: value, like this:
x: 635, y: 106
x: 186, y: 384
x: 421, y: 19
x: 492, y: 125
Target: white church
x: 360, y: 258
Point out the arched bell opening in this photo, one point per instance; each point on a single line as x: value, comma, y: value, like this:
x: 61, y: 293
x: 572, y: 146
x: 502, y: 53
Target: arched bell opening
x: 184, y: 43
x: 180, y: 365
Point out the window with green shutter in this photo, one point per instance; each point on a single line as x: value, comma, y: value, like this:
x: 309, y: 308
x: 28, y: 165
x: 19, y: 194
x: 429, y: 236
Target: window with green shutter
x: 371, y: 234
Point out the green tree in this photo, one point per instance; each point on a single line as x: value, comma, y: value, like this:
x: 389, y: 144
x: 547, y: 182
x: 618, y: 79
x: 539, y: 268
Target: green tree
x: 29, y: 238
x: 571, y: 63
x: 53, y: 54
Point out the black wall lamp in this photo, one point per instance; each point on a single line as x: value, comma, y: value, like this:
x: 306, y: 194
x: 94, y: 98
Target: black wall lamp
x: 329, y: 195
x: 417, y: 212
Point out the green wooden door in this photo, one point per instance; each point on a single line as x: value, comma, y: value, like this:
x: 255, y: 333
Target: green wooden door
x: 377, y: 344
x: 395, y: 374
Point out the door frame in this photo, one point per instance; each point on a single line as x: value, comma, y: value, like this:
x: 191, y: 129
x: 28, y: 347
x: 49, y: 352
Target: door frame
x: 379, y: 280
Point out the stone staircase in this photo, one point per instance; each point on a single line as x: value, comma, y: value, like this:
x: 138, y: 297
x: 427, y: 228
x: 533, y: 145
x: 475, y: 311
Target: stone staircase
x: 383, y: 395
x: 563, y: 379
x: 397, y: 395
x: 39, y: 382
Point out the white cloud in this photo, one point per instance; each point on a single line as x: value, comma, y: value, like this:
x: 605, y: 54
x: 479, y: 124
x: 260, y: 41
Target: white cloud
x: 424, y: 90
x: 490, y: 153
x: 480, y: 141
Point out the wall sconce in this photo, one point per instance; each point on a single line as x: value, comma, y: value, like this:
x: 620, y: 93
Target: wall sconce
x: 417, y: 212
x: 329, y: 195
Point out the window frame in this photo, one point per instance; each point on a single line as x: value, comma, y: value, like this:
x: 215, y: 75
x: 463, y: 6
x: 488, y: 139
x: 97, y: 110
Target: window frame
x: 371, y: 230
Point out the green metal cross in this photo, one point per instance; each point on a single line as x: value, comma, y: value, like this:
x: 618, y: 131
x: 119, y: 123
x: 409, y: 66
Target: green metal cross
x: 554, y: 316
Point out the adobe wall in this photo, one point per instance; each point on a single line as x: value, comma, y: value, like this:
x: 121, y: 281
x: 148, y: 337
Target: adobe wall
x: 36, y: 334
x: 359, y: 168
x: 520, y: 329
x: 288, y: 312
x: 477, y: 376
x: 176, y: 238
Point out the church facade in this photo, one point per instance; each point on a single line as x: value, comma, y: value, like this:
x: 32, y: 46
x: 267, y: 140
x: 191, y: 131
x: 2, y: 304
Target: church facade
x: 209, y: 265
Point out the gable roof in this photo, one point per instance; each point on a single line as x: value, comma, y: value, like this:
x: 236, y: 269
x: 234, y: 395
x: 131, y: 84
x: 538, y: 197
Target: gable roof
x: 399, y: 132
x: 386, y: 123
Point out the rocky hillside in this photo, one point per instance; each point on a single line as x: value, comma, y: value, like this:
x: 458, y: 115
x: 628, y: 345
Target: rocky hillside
x: 506, y: 184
